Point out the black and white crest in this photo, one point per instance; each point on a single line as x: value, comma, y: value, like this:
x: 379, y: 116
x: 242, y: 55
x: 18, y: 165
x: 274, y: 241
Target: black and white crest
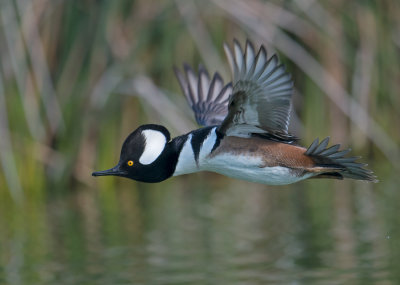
x: 145, y: 144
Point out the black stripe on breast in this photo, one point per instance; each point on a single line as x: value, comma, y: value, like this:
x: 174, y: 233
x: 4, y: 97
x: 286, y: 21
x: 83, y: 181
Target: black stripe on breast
x: 198, y: 137
x: 220, y: 136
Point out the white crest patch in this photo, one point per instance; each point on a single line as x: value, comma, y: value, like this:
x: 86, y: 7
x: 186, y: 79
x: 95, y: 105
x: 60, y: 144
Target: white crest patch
x: 155, y: 144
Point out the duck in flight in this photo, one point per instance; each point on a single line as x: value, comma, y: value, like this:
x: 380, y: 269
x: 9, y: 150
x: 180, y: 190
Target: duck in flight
x: 244, y: 134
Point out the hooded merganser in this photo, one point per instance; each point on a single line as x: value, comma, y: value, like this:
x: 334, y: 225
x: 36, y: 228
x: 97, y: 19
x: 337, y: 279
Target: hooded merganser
x: 245, y: 134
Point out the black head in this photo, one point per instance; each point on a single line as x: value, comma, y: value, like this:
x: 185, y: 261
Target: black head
x: 146, y: 156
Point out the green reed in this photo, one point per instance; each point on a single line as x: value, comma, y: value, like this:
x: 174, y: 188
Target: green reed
x: 69, y: 67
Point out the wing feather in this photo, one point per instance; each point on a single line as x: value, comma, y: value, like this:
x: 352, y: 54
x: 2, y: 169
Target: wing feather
x: 239, y: 59
x: 208, y: 98
x: 217, y: 84
x: 249, y: 58
x: 261, y: 62
x: 261, y: 97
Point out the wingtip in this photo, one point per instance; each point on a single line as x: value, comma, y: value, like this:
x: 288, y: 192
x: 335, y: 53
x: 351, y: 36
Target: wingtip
x: 227, y: 50
x: 236, y: 42
x: 177, y: 71
x: 274, y: 58
x: 187, y: 67
x: 229, y: 56
x: 217, y: 78
x: 249, y: 44
x: 262, y: 49
x: 225, y: 45
x: 203, y: 70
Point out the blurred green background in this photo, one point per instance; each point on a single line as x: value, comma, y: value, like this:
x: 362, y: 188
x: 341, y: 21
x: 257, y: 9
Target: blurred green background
x: 76, y: 77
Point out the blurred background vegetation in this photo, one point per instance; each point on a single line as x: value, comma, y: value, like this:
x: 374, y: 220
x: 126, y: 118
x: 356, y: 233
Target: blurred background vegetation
x: 76, y: 77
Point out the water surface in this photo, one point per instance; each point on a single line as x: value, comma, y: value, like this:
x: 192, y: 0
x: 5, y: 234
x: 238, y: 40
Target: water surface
x: 204, y: 229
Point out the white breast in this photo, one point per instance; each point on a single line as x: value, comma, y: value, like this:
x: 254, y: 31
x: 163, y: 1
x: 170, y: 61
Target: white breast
x: 207, y: 146
x: 186, y: 162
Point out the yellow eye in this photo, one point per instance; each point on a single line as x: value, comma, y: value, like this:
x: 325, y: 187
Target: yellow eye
x: 130, y: 163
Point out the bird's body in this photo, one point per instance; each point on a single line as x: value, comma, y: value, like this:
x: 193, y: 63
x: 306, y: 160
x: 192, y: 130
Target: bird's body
x: 245, y: 134
x: 256, y: 160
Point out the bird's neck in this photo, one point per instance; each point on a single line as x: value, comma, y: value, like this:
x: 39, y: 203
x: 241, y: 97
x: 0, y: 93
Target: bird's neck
x: 194, y: 147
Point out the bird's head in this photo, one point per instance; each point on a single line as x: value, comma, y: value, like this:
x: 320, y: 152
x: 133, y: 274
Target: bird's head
x: 145, y: 156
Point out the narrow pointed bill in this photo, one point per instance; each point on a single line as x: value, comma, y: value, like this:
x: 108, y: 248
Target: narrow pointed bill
x: 115, y: 171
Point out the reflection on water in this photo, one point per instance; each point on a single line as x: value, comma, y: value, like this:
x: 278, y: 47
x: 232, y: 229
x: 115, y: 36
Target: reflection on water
x: 205, y: 229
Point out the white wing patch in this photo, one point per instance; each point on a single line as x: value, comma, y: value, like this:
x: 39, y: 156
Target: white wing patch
x: 155, y: 144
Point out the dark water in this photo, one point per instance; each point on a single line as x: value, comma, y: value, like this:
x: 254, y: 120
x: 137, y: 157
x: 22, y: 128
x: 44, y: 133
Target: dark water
x: 204, y: 229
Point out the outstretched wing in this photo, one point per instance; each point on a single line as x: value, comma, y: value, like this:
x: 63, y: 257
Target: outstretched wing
x: 261, y: 99
x: 208, y: 98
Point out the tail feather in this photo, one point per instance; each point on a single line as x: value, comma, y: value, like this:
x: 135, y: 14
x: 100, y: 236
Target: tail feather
x: 331, y: 158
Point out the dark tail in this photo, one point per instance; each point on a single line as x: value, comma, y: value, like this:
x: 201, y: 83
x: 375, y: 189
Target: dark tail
x: 337, y: 165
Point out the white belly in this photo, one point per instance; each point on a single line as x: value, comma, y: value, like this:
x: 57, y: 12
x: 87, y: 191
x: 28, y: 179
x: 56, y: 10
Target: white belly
x: 250, y: 169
